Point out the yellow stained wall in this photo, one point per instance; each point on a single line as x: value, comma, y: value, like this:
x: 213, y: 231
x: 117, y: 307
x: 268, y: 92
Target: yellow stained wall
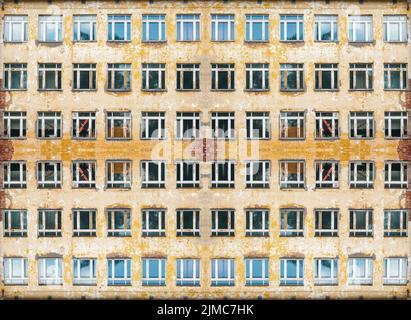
x: 205, y: 101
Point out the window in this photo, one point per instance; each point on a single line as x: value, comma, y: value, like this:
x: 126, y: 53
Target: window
x: 327, y: 174
x: 257, y: 223
x: 119, y: 27
x: 326, y: 28
x: 222, y: 272
x: 15, y: 271
x: 188, y: 272
x: 256, y: 272
x: 326, y: 222
x: 396, y: 174
x: 327, y: 125
x: 84, y: 271
x: 84, y: 125
x: 258, y: 174
x: 257, y: 76
x: 395, y: 223
x: 84, y: 76
x: 188, y: 27
x: 14, y: 175
x: 292, y: 174
x: 153, y: 223
x: 49, y: 174
x: 49, y: 76
x: 15, y: 76
x: 256, y: 27
x: 154, y: 271
x: 222, y: 76
x: 396, y: 124
x: 258, y: 125
x: 119, y: 77
x: 222, y: 222
x: 14, y: 125
x: 188, y: 174
x: 188, y: 223
x: 154, y: 27
x: 188, y: 76
x: 49, y: 125
x: 154, y: 76
x: 292, y: 222
x: 291, y: 272
x: 119, y: 272
x: 395, y: 271
x: 360, y: 28
x: 360, y: 271
x: 292, y: 76
x: 222, y: 27
x: 118, y: 174
x: 85, y: 28
x: 222, y: 174
x: 84, y: 174
x: 326, y: 271
x: 15, y: 28
x: 361, y: 76
x: 49, y: 223
x: 153, y: 174
x: 50, y: 271
x: 14, y: 223
x: 118, y: 222
x: 361, y: 125
x: 188, y: 125
x: 152, y: 125
x: 395, y: 28
x: 292, y: 125
x: 361, y: 223
x: 118, y: 125
x: 326, y: 76
x: 50, y: 28
x: 395, y: 76
x: 291, y: 28
x: 223, y: 125
x: 361, y: 174
x: 84, y: 222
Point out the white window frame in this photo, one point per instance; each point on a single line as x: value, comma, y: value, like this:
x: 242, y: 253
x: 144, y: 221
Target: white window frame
x: 353, y: 278
x: 80, y: 120
x: 401, y: 20
x: 285, y: 183
x: 266, y: 172
x: 42, y: 116
x: 184, y: 280
x: 402, y: 68
x: 188, y: 116
x: 369, y: 222
x: 334, y: 217
x: 149, y: 67
x: 285, y: 68
x: 265, y: 216
x: 160, y: 19
x: 127, y: 174
x: 7, y: 183
x: 403, y: 183
x: 333, y: 173
x: 250, y: 280
x: 44, y: 21
x: 114, y: 19
x: 322, y: 280
x: 8, y: 231
x: 146, y: 182
x: 115, y: 231
x: 91, y: 69
x: 327, y: 117
x: 187, y: 67
x: 9, y: 22
x: 78, y: 20
x: 362, y: 67
x: 298, y: 230
x: 181, y: 183
x: 299, y: 279
x: 216, y: 68
x: 285, y: 19
x: 396, y: 115
x: 370, y: 174
x: 403, y: 230
x: 91, y: 278
x: 146, y: 117
x: 111, y: 118
x: 216, y: 19
x: 216, y: 231
x: 57, y: 174
x: 368, y: 116
x: 192, y: 18
x: 125, y: 69
x: 329, y: 19
x: 57, y: 278
x: 264, y: 117
x: 255, y: 18
x: 88, y: 180
x: 217, y: 133
x: 299, y: 117
x: 230, y: 183
x: 92, y: 220
x: 43, y: 68
x: 42, y: 219
x: 9, y: 69
x: 8, y: 118
x: 229, y: 265
x: 146, y: 215
x: 10, y: 276
x: 182, y: 231
x: 319, y: 68
x: 115, y: 281
x: 151, y: 281
x: 393, y: 279
x: 367, y: 21
x: 264, y: 68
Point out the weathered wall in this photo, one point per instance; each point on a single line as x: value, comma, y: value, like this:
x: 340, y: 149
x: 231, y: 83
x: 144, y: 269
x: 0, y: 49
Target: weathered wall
x: 205, y: 52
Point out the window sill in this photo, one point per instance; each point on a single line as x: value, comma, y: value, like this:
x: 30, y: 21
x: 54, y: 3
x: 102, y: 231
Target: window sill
x: 13, y: 138
x: 118, y: 90
x: 360, y: 90
x: 15, y: 42
x: 118, y: 139
x: 154, y: 90
x: 84, y: 90
x: 49, y: 138
x: 292, y: 90
x: 154, y: 42
x: 152, y: 139
x: 292, y: 41
x: 326, y: 90
x: 327, y: 139
x: 84, y: 41
x: 292, y: 139
x: 188, y: 41
x: 258, y: 139
x: 222, y: 90
x: 360, y: 138
x: 50, y: 42
x: 118, y: 41
x: 372, y: 42
x: 49, y: 90
x: 256, y: 41
x: 396, y: 138
x: 405, y: 89
x: 188, y: 90
x: 4, y: 89
x: 223, y: 41
x: 188, y: 139
x: 256, y: 90
x: 396, y: 42
x: 327, y: 41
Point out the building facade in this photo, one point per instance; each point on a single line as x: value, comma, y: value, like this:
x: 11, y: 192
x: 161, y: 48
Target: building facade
x: 205, y: 149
